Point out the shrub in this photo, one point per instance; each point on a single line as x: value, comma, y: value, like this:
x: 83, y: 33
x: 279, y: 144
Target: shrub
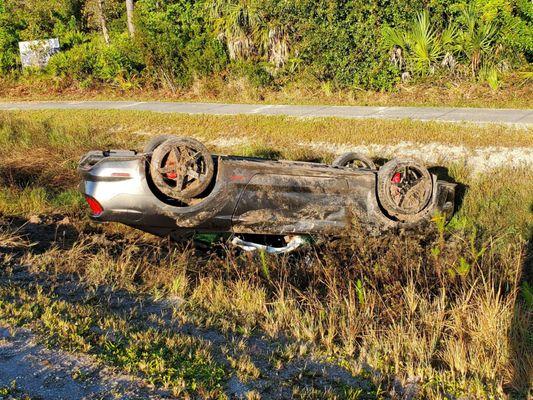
x: 478, y: 39
x: 424, y: 47
x: 341, y: 42
x: 120, y: 61
x: 256, y: 73
x: 336, y: 43
x: 188, y: 49
x: 77, y: 63
x: 8, y: 40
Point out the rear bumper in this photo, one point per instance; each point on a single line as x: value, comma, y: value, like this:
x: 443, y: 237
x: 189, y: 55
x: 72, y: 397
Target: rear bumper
x: 117, y: 181
x: 121, y: 186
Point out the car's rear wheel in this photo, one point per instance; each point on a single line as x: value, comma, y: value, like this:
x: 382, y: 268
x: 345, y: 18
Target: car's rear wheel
x: 404, y: 188
x: 181, y: 168
x: 354, y: 161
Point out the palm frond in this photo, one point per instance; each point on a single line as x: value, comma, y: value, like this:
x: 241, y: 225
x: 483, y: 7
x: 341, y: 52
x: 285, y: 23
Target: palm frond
x: 394, y: 37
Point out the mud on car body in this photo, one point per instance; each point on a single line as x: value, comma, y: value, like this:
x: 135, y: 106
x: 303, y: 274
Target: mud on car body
x: 175, y: 187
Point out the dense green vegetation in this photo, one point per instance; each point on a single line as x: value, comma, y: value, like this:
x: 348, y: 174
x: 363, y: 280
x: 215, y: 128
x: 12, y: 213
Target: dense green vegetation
x: 340, y: 44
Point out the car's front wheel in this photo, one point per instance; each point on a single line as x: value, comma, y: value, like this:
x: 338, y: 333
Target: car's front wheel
x: 404, y: 189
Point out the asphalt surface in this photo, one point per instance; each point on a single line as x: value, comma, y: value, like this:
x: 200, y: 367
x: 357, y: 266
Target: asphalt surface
x: 515, y: 117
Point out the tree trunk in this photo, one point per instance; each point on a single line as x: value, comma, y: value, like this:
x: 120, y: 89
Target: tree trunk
x: 103, y: 22
x: 129, y: 14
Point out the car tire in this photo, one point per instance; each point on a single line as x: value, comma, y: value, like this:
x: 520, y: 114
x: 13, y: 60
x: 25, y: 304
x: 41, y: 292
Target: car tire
x: 404, y: 189
x: 152, y: 144
x: 186, y: 180
x: 354, y: 161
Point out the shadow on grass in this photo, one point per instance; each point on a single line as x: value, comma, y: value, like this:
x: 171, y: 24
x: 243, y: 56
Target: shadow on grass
x: 311, y: 378
x: 42, y: 233
x: 263, y: 152
x: 442, y: 173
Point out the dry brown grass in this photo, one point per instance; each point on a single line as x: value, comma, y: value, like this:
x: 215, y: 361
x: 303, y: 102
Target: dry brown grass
x: 75, y: 131
x: 406, y: 320
x: 515, y: 92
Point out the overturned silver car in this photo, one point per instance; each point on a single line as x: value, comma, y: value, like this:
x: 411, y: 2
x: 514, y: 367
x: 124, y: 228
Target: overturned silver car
x: 176, y: 187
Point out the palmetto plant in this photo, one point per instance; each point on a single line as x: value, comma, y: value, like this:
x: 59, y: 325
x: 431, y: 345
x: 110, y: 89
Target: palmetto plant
x: 249, y: 31
x: 421, y: 45
x: 470, y: 40
x: 240, y: 23
x: 476, y: 38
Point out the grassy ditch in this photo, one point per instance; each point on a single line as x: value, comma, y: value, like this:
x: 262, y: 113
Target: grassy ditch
x: 444, y: 311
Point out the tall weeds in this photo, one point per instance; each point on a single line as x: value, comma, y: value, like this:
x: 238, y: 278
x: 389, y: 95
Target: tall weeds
x: 382, y: 305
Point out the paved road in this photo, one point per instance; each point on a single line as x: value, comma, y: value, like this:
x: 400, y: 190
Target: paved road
x: 445, y: 114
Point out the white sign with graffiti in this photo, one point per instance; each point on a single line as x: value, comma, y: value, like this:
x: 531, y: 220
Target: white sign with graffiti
x: 37, y: 53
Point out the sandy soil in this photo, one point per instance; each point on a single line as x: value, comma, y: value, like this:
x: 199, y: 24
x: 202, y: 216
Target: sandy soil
x: 48, y: 374
x: 476, y: 160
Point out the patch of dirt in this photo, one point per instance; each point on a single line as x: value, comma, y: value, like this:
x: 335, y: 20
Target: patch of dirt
x: 50, y: 374
x: 477, y: 160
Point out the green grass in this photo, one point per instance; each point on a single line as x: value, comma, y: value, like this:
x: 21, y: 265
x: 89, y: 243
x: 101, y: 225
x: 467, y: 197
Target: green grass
x: 39, y: 200
x: 178, y: 362
x: 12, y: 392
x: 497, y: 203
x: 443, y: 306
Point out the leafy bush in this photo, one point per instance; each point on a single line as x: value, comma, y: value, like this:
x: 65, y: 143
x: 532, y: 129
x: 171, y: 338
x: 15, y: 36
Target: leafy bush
x: 476, y: 41
x: 339, y: 44
x: 118, y: 62
x: 8, y: 40
x: 121, y: 60
x: 514, y: 24
x: 256, y: 73
x: 175, y: 42
x: 423, y: 45
x: 77, y: 63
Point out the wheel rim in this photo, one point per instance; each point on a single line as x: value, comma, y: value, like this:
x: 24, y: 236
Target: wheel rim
x: 181, y: 170
x: 409, y: 189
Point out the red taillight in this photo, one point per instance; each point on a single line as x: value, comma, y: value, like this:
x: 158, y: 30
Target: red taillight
x: 96, y: 208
